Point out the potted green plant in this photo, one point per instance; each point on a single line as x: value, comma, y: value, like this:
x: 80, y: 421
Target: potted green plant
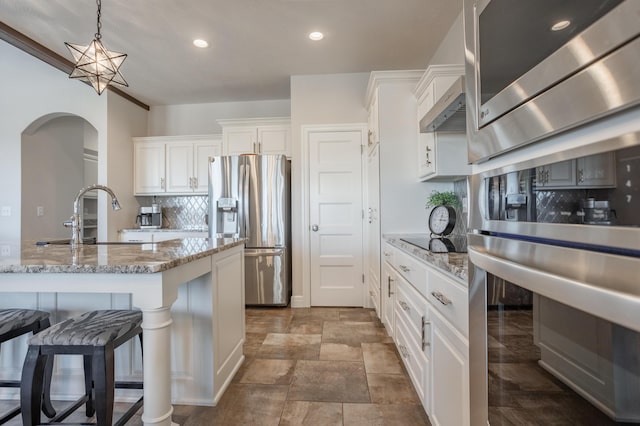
x: 444, y: 198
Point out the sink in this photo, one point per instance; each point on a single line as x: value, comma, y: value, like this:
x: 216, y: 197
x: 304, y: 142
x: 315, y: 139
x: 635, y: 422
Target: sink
x: 86, y: 241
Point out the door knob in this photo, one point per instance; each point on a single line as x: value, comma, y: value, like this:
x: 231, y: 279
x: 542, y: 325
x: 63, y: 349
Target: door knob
x: 314, y: 228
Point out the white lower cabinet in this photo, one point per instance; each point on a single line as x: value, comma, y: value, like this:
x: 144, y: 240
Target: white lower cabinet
x: 136, y: 236
x: 412, y: 337
x: 430, y: 317
x: 450, y: 374
x: 387, y: 297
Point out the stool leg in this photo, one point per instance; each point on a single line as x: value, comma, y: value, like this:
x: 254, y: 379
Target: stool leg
x: 88, y: 385
x: 104, y: 384
x: 47, y: 406
x: 31, y: 389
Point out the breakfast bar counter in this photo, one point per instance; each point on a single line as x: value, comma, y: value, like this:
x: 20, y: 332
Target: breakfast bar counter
x: 153, y: 275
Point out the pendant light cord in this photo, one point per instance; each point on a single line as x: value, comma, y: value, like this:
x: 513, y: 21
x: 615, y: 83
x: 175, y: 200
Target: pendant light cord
x: 99, y: 25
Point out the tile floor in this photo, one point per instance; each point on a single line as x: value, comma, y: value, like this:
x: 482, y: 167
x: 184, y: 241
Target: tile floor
x: 317, y: 366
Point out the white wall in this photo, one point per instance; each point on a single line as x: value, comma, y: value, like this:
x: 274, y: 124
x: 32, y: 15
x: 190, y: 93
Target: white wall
x: 52, y: 174
x: 32, y: 93
x: 126, y: 120
x: 318, y: 99
x: 31, y: 90
x: 200, y: 119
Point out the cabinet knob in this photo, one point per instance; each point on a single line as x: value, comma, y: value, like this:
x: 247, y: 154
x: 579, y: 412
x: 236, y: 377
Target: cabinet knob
x: 314, y: 228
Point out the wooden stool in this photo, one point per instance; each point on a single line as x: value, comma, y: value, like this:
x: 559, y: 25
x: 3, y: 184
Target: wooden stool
x: 94, y: 335
x: 14, y: 323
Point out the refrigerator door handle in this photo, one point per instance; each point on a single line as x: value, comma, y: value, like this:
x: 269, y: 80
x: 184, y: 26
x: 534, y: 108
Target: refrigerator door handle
x: 245, y: 230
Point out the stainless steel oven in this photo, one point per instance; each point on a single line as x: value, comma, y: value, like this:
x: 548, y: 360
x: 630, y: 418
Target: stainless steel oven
x: 538, y: 68
x: 554, y: 288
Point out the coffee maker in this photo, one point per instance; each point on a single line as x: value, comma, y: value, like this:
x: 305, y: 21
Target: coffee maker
x: 150, y: 217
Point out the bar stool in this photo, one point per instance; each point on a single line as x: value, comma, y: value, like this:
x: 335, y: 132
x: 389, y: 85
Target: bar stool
x: 94, y: 335
x: 14, y: 323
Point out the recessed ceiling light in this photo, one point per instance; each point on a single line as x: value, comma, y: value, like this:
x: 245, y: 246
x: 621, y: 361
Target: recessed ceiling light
x: 560, y: 25
x: 200, y: 43
x: 316, y: 35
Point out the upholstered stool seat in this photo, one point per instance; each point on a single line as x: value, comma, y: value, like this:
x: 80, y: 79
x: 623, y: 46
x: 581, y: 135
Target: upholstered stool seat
x: 94, y: 335
x: 14, y: 323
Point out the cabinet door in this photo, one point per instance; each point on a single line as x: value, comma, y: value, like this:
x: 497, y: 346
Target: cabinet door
x: 450, y: 374
x: 148, y: 168
x: 274, y: 140
x: 387, y: 294
x: 374, y: 127
x: 201, y: 152
x: 597, y: 170
x: 239, y: 140
x: 373, y: 222
x: 426, y: 154
x: 179, y: 173
x: 561, y: 174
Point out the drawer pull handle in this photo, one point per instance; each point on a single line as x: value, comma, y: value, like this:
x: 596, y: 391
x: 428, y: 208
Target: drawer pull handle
x: 404, y: 268
x: 404, y: 305
x: 425, y: 343
x: 441, y: 297
x: 389, y: 292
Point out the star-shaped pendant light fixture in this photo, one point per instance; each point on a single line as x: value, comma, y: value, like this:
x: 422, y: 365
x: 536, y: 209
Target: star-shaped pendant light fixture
x: 95, y: 64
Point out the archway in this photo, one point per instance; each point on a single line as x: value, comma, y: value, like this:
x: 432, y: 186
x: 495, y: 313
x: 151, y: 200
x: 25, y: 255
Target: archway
x: 59, y: 157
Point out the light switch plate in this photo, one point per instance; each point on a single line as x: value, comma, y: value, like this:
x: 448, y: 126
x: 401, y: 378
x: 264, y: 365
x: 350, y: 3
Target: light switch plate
x: 5, y: 211
x: 5, y: 251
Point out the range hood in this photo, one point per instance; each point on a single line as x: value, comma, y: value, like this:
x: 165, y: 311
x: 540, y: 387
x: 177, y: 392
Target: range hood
x: 448, y: 114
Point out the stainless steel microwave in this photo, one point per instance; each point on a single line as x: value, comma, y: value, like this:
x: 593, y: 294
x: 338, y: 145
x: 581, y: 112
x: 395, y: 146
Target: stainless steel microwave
x: 538, y: 68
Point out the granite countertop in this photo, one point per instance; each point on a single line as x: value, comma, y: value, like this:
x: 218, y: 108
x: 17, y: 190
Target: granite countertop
x: 114, y: 258
x: 456, y: 264
x: 199, y: 230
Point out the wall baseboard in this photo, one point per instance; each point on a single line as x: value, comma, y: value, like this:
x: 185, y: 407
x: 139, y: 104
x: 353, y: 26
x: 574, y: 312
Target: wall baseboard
x: 298, y: 302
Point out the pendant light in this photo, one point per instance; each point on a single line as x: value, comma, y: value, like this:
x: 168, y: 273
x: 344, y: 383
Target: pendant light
x: 95, y: 64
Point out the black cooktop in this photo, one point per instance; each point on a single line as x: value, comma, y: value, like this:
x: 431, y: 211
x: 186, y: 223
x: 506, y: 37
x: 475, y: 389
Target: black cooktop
x: 449, y: 244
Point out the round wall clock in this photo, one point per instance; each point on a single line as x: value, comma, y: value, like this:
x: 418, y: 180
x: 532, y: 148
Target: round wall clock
x: 442, y: 220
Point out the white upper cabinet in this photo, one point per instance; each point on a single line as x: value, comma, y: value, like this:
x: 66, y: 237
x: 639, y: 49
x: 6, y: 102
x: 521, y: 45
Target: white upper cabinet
x: 593, y: 171
x: 441, y: 156
x: 173, y: 164
x: 256, y: 136
x: 374, y: 127
x: 148, y: 166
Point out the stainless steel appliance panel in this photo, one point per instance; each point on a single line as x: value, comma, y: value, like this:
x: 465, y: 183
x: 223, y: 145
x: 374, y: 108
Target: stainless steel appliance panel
x: 265, y: 200
x: 266, y: 277
x: 249, y: 197
x: 487, y: 204
x: 593, y: 75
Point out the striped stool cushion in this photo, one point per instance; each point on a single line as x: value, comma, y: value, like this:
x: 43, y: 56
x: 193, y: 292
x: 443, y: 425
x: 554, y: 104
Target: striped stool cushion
x: 96, y: 328
x: 13, y: 319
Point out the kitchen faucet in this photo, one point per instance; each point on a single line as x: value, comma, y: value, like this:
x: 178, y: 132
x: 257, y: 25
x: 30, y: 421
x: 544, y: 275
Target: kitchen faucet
x: 74, y: 222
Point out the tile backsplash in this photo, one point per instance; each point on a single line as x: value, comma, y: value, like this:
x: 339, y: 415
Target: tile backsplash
x: 186, y: 212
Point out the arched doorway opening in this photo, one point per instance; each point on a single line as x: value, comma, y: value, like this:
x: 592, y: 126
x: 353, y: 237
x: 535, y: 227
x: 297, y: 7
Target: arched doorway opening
x: 59, y: 156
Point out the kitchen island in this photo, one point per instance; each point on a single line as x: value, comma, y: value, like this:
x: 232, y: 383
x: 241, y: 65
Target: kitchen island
x: 205, y: 275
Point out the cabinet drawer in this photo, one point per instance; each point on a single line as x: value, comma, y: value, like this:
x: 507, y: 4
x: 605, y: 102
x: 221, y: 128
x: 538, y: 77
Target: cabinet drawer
x: 374, y: 297
x: 412, y: 308
x: 415, y: 361
x: 451, y: 299
x: 413, y: 271
x: 388, y: 254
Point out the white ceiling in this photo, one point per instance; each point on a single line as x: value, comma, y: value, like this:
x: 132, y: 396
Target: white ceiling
x: 254, y: 45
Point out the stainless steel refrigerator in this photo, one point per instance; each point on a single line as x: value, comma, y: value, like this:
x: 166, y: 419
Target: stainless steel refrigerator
x: 249, y: 196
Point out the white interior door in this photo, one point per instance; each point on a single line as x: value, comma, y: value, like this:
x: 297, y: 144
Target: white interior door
x: 335, y: 218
